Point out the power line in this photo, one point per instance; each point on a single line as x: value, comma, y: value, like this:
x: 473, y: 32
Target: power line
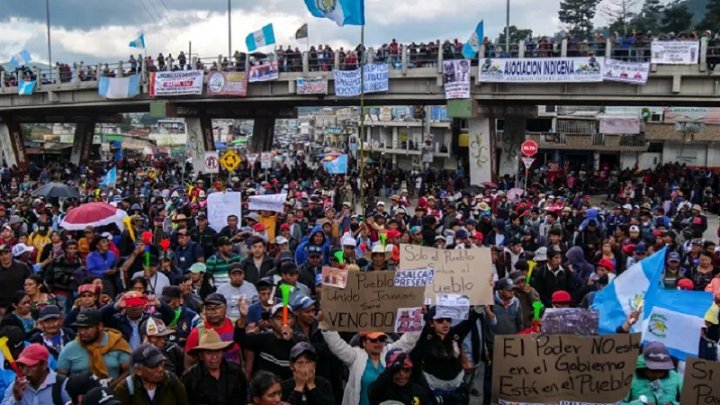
x: 155, y: 10
x: 147, y: 11
x: 164, y: 6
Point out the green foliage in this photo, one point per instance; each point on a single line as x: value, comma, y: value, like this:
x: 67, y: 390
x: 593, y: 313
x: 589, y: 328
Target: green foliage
x: 577, y: 15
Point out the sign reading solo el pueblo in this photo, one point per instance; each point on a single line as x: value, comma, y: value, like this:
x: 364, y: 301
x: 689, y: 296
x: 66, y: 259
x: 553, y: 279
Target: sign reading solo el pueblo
x: 464, y: 272
x: 552, y: 369
x: 369, y: 302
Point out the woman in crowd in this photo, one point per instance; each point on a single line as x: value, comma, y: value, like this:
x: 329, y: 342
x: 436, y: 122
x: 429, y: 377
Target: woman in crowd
x: 703, y: 273
x: 38, y: 294
x: 396, y: 385
x: 265, y: 389
x: 19, y: 314
x: 51, y: 251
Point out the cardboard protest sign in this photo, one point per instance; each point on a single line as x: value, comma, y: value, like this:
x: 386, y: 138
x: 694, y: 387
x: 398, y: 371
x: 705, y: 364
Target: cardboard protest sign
x: 560, y: 368
x: 369, y: 302
x: 701, y: 384
x: 414, y: 277
x: 465, y: 272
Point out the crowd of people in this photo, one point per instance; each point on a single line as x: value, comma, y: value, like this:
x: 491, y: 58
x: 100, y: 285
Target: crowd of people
x: 190, y: 314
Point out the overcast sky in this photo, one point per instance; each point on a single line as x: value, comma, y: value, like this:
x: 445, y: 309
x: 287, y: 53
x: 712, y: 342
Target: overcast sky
x: 99, y: 30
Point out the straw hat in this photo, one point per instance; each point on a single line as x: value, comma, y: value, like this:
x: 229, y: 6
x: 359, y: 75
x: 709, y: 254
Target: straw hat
x: 210, y: 340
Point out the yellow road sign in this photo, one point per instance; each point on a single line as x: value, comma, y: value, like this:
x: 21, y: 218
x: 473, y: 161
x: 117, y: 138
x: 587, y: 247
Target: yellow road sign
x: 230, y: 160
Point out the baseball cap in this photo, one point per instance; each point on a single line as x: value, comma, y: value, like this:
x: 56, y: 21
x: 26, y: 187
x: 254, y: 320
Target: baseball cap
x: 302, y: 303
x: 49, y: 312
x: 33, y: 354
x: 215, y: 299
x: 5, y: 247
x: 223, y: 240
x: 265, y: 282
x: 606, y: 263
x: 100, y: 396
x: 561, y: 297
x: 87, y: 318
x: 505, y: 284
x: 516, y: 276
x: 634, y: 228
x: 21, y: 248
x: 657, y: 357
x: 236, y: 267
x: 198, y: 268
x: 303, y: 348
x: 674, y: 257
x: 314, y: 250
x: 147, y: 355
x: 287, y: 267
x: 280, y: 240
x: 277, y: 308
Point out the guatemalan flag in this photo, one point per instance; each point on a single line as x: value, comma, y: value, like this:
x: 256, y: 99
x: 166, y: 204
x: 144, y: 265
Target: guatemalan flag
x: 110, y: 179
x: 472, y: 46
x: 343, y: 12
x: 119, y: 87
x: 138, y: 42
x: 336, y: 163
x: 675, y: 318
x: 26, y: 87
x: 626, y: 293
x: 21, y: 58
x: 260, y: 38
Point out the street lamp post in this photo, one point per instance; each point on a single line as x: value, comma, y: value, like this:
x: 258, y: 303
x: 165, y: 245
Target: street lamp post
x: 507, y: 26
x: 47, y: 23
x: 229, y: 54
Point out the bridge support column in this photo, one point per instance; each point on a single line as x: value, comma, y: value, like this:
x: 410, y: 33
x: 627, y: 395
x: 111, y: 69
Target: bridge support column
x: 480, y: 149
x: 513, y: 136
x: 263, y: 133
x: 13, y: 150
x: 199, y: 139
x: 82, y: 141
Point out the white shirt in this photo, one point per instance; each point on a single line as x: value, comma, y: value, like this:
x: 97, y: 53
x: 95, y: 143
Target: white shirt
x: 156, y: 283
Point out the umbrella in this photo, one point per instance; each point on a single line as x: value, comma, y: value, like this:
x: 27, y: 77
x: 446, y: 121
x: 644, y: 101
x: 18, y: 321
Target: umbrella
x: 513, y: 193
x: 490, y: 184
x: 93, y: 214
x: 58, y: 190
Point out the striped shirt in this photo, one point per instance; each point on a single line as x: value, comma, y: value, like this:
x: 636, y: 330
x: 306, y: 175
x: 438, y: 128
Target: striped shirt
x: 219, y: 267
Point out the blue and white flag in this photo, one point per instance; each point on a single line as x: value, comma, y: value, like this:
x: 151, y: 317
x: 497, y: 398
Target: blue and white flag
x: 109, y: 179
x: 675, y: 318
x: 626, y: 293
x: 25, y: 88
x: 138, y: 42
x: 22, y: 58
x: 336, y: 164
x: 119, y: 87
x: 260, y: 38
x: 472, y: 46
x: 343, y: 12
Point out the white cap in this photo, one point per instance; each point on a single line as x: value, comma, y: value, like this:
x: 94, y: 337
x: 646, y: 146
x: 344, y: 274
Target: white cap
x: 634, y: 228
x: 348, y: 241
x: 21, y: 248
x: 280, y: 240
x: 627, y: 207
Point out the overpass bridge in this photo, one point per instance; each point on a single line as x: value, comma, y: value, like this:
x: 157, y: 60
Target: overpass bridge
x: 79, y: 102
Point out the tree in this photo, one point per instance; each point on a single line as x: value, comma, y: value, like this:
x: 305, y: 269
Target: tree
x: 577, y: 15
x: 619, y: 13
x: 649, y: 17
x: 516, y: 35
x: 676, y: 17
x: 712, y: 16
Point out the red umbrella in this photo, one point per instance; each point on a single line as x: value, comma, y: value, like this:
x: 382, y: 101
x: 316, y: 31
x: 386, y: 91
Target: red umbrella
x: 93, y: 214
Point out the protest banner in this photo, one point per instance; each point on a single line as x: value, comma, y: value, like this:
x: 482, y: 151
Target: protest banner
x: 267, y: 202
x: 626, y: 72
x: 266, y: 160
x: 376, y: 79
x: 177, y: 83
x: 552, y: 369
x: 227, y: 84
x: 466, y: 272
x: 456, y: 78
x: 334, y: 277
x: 542, y: 70
x: 452, y: 306
x: 369, y: 302
x: 701, y: 384
x: 619, y: 125
x: 220, y: 205
x: 674, y: 52
x: 311, y: 85
x: 266, y: 71
x: 409, y: 320
x: 414, y: 277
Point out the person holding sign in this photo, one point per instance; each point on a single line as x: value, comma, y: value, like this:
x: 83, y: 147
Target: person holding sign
x: 655, y: 381
x: 365, y: 362
x: 378, y: 259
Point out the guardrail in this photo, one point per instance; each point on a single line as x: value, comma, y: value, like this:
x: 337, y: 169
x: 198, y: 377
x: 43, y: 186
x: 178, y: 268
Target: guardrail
x: 408, y: 58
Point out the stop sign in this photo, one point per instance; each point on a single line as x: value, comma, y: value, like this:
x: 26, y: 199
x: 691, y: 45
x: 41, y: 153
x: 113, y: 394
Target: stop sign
x: 529, y: 148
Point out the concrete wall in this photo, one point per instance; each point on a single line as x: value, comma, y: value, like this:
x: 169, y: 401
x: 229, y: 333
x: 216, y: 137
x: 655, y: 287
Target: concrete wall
x: 692, y: 154
x: 644, y: 160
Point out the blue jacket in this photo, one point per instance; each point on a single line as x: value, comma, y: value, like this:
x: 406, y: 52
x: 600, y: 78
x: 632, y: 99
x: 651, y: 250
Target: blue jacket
x: 113, y: 318
x: 301, y: 252
x: 186, y: 322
